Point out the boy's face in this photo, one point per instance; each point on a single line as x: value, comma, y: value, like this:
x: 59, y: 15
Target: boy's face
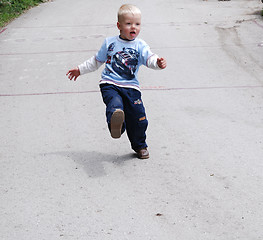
x: 129, y: 26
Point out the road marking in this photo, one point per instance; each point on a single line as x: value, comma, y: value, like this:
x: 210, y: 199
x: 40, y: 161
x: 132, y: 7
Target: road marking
x: 154, y: 88
x: 2, y: 30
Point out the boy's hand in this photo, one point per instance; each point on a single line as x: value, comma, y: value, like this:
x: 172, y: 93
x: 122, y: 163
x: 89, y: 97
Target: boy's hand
x: 161, y: 62
x: 73, y: 73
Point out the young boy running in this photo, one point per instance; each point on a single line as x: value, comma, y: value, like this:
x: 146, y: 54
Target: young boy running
x: 123, y: 55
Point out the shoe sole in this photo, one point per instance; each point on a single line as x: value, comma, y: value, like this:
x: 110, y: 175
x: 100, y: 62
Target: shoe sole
x: 116, y: 122
x: 142, y: 156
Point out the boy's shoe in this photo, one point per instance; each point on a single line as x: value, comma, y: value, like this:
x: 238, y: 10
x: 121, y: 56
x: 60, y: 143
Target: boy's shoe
x: 116, y: 123
x: 143, y: 153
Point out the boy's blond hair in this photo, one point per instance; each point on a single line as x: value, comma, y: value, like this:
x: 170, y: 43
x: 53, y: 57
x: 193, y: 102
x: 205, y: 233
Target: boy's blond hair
x: 128, y: 8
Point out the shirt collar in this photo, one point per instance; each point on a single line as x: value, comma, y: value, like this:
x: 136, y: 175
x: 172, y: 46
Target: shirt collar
x: 125, y: 40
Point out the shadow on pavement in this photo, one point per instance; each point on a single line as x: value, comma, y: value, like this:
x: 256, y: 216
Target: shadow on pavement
x: 93, y: 162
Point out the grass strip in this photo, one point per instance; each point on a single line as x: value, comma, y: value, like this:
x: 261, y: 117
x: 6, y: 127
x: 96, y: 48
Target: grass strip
x: 10, y: 9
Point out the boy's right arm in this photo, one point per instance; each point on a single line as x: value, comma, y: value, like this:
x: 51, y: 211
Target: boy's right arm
x: 73, y: 73
x: 90, y: 65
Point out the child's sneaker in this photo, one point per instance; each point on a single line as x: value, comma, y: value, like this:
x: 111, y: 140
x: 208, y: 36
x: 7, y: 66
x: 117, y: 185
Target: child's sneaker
x: 143, y: 153
x: 116, y: 123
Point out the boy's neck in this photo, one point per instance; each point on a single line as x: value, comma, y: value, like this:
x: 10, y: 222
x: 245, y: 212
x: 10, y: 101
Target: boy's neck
x: 126, y: 39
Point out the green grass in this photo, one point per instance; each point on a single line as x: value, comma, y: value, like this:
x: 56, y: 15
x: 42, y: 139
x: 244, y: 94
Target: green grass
x: 10, y: 9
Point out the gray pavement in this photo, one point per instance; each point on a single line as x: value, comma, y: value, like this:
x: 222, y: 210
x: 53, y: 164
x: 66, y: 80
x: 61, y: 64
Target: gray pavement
x: 63, y: 177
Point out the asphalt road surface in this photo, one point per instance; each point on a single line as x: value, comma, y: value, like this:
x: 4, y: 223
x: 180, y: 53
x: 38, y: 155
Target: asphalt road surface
x: 64, y: 177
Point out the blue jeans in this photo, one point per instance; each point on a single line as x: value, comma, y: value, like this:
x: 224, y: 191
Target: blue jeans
x: 129, y: 100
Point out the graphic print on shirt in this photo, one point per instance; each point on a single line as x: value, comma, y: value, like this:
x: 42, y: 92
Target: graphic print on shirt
x: 125, y: 62
x: 109, y: 52
x: 111, y: 47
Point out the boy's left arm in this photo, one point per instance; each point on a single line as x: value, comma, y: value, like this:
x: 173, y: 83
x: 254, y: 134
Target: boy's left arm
x: 161, y: 62
x: 155, y: 62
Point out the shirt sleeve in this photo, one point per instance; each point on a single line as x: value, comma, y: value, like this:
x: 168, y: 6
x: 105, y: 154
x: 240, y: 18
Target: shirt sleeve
x: 146, y: 53
x: 101, y: 55
x: 152, y: 62
x: 90, y: 65
x: 148, y: 58
x: 94, y: 62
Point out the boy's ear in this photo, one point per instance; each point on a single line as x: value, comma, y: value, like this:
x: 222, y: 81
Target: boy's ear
x: 118, y: 25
